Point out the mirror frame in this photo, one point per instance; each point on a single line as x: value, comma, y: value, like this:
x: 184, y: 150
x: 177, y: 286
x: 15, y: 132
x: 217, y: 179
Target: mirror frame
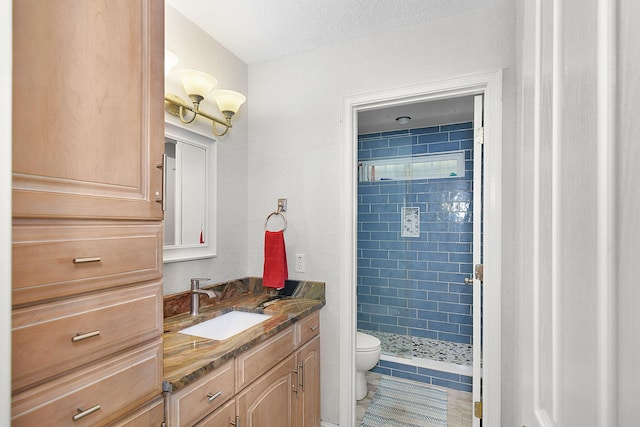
x: 208, y: 249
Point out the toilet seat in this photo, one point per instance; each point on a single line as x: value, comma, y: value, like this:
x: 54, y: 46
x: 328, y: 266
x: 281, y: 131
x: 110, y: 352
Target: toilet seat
x: 366, y: 342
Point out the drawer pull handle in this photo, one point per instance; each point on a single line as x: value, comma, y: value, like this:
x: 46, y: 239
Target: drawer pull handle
x: 86, y: 260
x: 80, y: 337
x: 212, y: 397
x: 295, y: 386
x: 237, y: 422
x: 301, y: 376
x: 162, y: 198
x: 313, y: 328
x: 81, y: 413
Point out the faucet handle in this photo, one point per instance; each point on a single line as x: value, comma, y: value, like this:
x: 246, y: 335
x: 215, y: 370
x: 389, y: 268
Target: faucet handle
x: 195, y: 282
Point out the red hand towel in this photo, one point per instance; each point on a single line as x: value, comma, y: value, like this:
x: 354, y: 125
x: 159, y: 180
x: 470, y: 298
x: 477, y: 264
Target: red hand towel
x: 275, y: 260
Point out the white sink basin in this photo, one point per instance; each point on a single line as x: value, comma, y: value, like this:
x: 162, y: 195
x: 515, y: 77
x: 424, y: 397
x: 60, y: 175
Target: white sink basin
x: 225, y: 326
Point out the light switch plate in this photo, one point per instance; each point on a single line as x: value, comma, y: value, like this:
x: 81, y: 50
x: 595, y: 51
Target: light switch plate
x: 300, y: 263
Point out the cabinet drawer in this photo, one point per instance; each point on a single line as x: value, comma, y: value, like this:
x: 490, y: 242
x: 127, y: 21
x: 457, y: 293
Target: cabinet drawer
x: 225, y: 416
x: 53, y: 260
x: 49, y: 339
x: 150, y: 415
x: 112, y: 388
x: 191, y: 404
x: 307, y: 328
x: 258, y: 360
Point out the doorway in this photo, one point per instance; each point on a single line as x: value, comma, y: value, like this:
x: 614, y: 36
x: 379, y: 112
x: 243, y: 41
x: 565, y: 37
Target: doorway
x: 487, y: 85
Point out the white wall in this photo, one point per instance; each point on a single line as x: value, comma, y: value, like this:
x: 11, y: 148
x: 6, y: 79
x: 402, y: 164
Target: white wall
x: 295, y: 142
x: 5, y: 212
x: 195, y: 49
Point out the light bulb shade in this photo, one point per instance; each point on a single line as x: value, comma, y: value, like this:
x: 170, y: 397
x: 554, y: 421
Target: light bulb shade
x: 170, y: 61
x: 196, y: 82
x: 228, y: 100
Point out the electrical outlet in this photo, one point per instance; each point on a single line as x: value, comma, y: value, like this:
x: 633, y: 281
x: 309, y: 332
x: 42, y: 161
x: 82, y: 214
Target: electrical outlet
x: 299, y: 263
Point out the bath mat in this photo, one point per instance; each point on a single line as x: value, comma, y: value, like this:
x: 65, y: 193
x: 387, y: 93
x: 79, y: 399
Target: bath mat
x: 400, y: 403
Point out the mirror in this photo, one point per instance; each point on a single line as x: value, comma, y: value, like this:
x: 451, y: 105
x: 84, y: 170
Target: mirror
x: 188, y: 230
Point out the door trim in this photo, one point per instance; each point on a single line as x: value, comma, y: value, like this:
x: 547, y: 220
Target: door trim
x: 489, y: 84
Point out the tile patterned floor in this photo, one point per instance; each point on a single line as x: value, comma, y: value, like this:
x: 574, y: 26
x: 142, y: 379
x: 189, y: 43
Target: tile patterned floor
x: 458, y: 403
x: 408, y: 347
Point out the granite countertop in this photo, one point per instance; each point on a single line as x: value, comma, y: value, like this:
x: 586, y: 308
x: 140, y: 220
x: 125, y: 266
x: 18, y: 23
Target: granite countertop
x: 188, y: 358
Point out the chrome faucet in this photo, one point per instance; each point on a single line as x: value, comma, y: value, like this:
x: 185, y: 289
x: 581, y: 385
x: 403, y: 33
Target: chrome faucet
x: 195, y: 294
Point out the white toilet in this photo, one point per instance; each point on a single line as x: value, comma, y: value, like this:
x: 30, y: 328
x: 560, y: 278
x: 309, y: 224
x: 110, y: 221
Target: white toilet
x: 367, y: 356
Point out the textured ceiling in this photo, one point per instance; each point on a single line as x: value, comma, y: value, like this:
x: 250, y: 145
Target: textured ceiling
x: 259, y: 30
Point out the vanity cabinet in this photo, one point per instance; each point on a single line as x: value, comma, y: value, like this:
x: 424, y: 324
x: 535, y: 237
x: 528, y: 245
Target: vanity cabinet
x: 87, y: 227
x: 276, y: 384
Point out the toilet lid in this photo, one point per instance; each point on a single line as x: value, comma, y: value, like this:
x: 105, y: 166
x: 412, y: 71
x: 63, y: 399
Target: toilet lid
x: 366, y: 342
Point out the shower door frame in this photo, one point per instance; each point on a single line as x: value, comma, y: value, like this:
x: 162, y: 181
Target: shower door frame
x: 490, y: 86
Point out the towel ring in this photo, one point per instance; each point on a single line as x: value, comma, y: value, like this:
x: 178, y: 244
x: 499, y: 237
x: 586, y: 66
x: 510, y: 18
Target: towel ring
x: 266, y: 221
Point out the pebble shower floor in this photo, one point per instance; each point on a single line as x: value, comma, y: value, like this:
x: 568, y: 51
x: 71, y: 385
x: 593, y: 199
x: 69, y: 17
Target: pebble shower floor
x: 425, y: 348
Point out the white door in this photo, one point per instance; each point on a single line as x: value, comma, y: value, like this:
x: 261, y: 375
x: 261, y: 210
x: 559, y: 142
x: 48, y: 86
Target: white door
x: 477, y: 252
x: 568, y: 316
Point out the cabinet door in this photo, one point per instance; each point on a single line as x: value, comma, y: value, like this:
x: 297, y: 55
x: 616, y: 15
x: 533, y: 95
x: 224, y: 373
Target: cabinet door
x: 224, y: 416
x: 88, y: 108
x: 308, y: 358
x: 270, y: 401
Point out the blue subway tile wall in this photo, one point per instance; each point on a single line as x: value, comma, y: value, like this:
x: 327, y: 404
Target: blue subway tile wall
x: 415, y: 285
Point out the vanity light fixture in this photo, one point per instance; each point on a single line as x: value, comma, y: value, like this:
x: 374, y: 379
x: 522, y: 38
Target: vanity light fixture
x: 199, y: 85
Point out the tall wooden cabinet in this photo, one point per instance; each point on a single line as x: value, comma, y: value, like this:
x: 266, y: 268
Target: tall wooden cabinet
x: 87, y: 226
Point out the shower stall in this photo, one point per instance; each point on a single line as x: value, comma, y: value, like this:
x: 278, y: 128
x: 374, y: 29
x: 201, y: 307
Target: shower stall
x: 415, y: 235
